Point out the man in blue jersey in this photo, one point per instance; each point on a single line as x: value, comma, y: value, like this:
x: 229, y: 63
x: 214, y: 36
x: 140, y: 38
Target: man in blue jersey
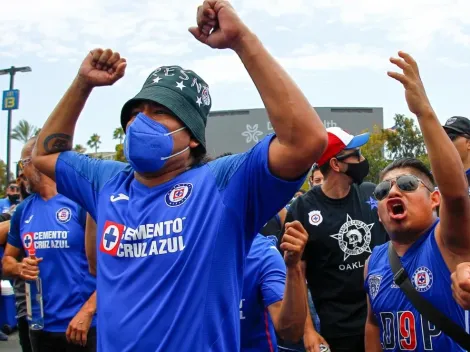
x: 429, y: 248
x: 53, y: 226
x: 12, y: 199
x: 273, y: 299
x: 172, y: 233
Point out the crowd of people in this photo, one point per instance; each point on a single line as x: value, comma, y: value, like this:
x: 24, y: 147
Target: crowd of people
x: 178, y: 251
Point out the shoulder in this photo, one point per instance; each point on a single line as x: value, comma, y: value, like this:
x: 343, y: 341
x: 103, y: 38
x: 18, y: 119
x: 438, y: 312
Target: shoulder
x: 367, y: 188
x: 3, y: 201
x: 23, y: 205
x: 378, y: 253
x: 224, y: 168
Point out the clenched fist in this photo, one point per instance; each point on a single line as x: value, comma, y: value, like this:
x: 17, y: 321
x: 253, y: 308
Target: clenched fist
x: 293, y: 243
x: 461, y: 285
x: 28, y: 268
x: 102, y: 68
x: 218, y: 25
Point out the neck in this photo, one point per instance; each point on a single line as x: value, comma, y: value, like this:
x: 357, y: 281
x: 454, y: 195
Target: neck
x: 47, y: 188
x: 159, y: 178
x: 403, y: 242
x: 466, y: 164
x: 335, y: 187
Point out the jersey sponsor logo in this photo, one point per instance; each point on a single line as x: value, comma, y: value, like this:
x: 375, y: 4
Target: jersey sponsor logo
x: 178, y: 194
x: 29, y: 219
x: 354, y: 237
x: 119, y: 197
x: 46, y: 239
x: 63, y: 215
x: 315, y: 218
x: 422, y: 279
x: 28, y: 241
x: 111, y: 238
x: 146, y: 240
x: 374, y: 285
x: 399, y: 328
x: 242, y: 316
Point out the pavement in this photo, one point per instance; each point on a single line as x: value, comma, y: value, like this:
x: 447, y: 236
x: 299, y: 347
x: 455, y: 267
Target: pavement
x: 12, y: 345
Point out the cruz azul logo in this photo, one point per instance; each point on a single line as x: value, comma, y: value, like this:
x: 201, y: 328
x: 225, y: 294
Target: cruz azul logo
x: 63, y: 215
x: 28, y: 241
x: 112, y: 234
x: 422, y: 279
x: 315, y: 218
x: 178, y: 194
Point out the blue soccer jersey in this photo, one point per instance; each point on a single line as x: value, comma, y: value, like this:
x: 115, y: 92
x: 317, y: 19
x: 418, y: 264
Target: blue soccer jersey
x: 56, y: 230
x: 402, y: 327
x: 263, y: 285
x: 170, y: 258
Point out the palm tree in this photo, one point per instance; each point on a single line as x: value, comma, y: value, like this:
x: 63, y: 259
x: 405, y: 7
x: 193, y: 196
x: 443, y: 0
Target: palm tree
x: 24, y: 131
x: 118, y: 134
x: 79, y: 148
x: 94, y: 142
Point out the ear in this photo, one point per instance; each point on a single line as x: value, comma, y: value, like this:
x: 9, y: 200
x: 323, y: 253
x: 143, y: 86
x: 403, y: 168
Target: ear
x: 193, y: 143
x: 334, y: 164
x: 468, y: 143
x: 435, y: 199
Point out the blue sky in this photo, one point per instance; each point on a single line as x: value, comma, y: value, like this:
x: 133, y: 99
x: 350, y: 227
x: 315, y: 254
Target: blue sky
x: 336, y: 50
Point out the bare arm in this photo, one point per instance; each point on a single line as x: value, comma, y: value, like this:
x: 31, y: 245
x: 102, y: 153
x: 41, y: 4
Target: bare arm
x: 90, y: 244
x: 11, y: 266
x: 4, y: 228
x: 282, y: 216
x: 301, y: 136
x: 372, y: 330
x: 288, y: 315
x: 100, y: 67
x: 454, y: 228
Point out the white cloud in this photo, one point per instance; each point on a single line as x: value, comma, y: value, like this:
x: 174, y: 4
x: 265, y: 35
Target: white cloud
x: 449, y: 62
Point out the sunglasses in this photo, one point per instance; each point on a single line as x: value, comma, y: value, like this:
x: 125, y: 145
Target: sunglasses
x: 405, y: 183
x: 23, y: 162
x: 356, y: 152
x: 13, y: 188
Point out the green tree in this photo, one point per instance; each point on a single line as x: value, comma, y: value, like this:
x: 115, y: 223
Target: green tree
x: 23, y: 131
x: 118, y: 134
x: 79, y: 148
x: 94, y: 142
x: 406, y: 140
x: 3, y: 176
x: 120, y: 153
x: 374, y: 152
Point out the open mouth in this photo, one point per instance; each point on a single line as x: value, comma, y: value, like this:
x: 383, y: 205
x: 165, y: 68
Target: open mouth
x: 396, y: 208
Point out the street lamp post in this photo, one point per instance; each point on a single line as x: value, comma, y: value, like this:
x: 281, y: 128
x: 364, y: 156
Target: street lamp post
x: 11, y: 71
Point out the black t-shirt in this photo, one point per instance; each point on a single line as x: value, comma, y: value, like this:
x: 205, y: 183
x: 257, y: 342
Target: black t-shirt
x: 342, y: 234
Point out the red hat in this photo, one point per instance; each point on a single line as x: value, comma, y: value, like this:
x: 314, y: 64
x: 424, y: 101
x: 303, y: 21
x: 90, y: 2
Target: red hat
x: 339, y: 140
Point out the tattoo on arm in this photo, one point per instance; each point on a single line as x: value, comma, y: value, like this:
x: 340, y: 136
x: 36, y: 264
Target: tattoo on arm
x: 58, y: 142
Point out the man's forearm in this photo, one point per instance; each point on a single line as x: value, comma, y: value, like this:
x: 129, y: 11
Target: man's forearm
x: 294, y: 310
x: 57, y: 134
x: 90, y: 306
x: 291, y: 115
x: 446, y: 164
x: 10, y: 267
x: 372, y: 338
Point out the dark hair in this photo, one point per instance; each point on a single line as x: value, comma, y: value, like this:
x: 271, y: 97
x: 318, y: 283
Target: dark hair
x: 224, y: 154
x: 410, y: 163
x: 200, y: 156
x: 325, y: 168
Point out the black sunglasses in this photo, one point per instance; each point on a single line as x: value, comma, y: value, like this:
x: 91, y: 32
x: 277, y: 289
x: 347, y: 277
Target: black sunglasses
x: 406, y: 183
x: 355, y: 152
x: 13, y: 188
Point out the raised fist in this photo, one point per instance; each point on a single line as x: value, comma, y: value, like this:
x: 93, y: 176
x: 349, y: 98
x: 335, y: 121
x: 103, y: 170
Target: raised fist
x: 102, y: 68
x: 293, y: 243
x: 218, y: 25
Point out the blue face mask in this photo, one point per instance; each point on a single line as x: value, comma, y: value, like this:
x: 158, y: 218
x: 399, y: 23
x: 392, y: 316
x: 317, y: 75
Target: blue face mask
x: 148, y: 144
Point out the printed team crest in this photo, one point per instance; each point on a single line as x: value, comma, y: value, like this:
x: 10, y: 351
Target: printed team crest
x: 315, y: 218
x: 206, y: 98
x: 28, y: 241
x: 422, y: 279
x: 111, y: 238
x: 63, y: 215
x: 178, y: 194
x: 374, y: 285
x: 354, y: 237
x: 450, y: 121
